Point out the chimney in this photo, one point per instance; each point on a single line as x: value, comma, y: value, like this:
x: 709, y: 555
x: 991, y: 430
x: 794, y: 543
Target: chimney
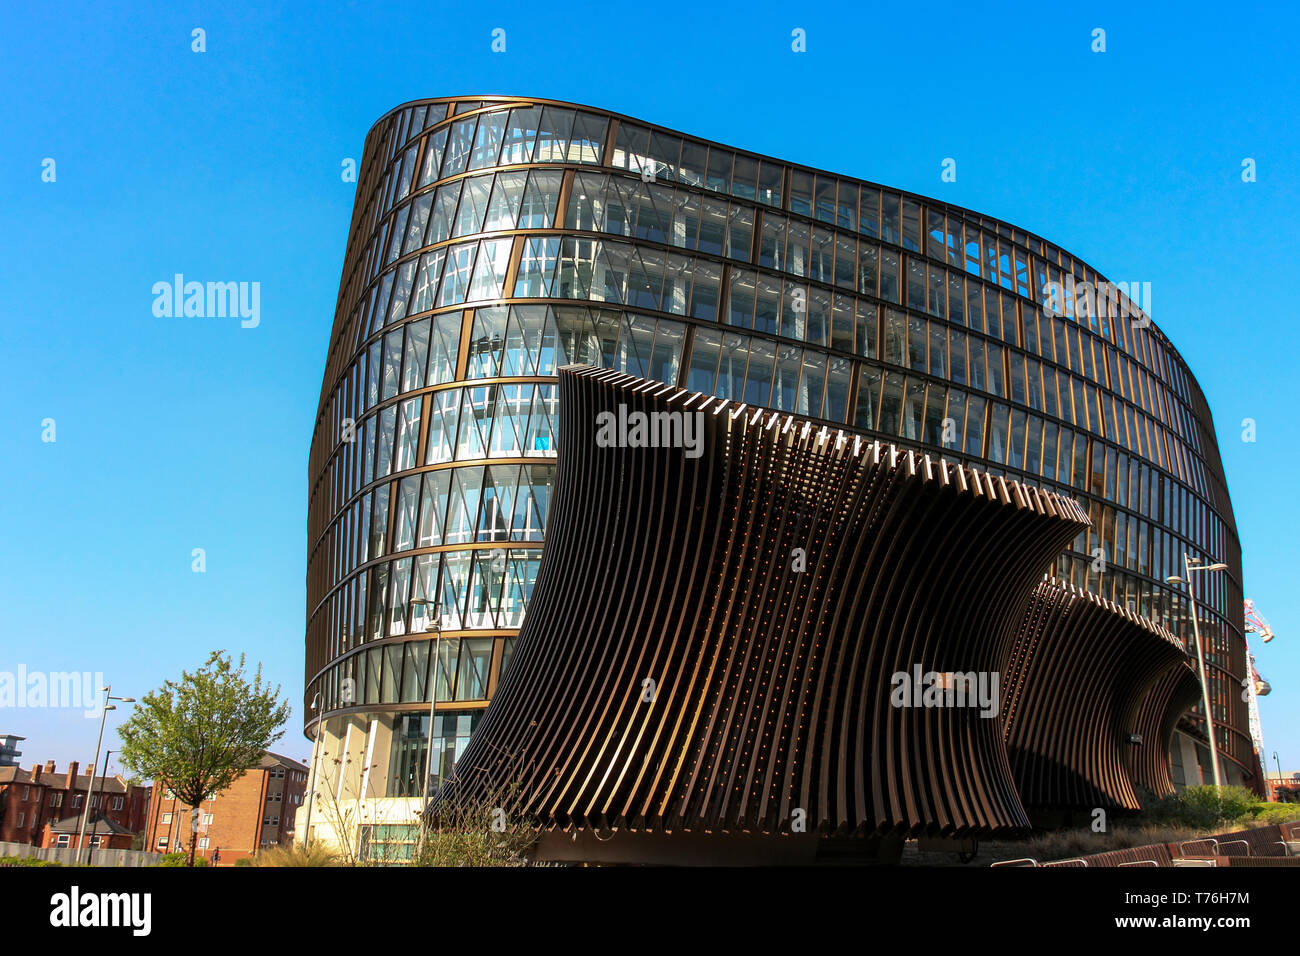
x: 49, y: 766
x: 72, y: 775
x: 36, y: 773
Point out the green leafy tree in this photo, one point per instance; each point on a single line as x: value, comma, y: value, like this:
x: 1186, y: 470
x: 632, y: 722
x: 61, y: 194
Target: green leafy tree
x: 200, y: 734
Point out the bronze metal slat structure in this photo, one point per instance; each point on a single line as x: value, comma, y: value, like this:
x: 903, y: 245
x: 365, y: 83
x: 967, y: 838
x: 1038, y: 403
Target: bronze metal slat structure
x: 1088, y: 678
x: 771, y: 686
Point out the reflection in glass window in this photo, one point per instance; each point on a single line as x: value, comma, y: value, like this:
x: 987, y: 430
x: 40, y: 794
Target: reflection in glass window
x: 521, y: 133
x: 744, y: 177
x: 402, y: 291
x: 891, y: 403
x: 443, y: 420
x: 998, y: 433
x: 485, y: 342
x: 417, y: 355
x: 408, y: 433
x: 588, y: 138
x: 865, y: 414
x: 537, y: 267
x: 770, y: 175
x: 487, y: 141
x: 444, y: 211
x: 433, y: 507
x: 812, y: 384
x: 704, y: 360
x: 416, y: 225
x: 451, y: 733
x: 490, y: 273
x: 459, y: 143
x: 553, y: 135
x: 474, y: 668
x: 473, y: 205
x: 401, y: 582
x: 444, y: 347
x: 503, y: 207
x: 889, y: 276
x: 433, y: 156
x: 392, y: 363
x: 426, y: 280
x: 456, y: 274
x: 384, y: 447
x: 758, y: 374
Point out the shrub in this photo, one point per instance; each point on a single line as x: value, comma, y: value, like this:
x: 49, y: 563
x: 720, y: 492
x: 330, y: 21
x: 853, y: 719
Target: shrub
x: 1278, y: 813
x: 1204, y: 807
x: 314, y: 854
x: 180, y: 859
x: 477, y: 832
x: 26, y: 861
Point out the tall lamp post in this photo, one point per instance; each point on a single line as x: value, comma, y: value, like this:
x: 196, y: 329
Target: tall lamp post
x: 81, y: 832
x: 1188, y: 568
x: 431, y: 621
x: 90, y: 857
x: 311, y: 787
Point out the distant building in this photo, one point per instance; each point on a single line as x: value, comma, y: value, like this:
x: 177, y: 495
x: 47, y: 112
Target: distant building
x: 9, y: 752
x: 31, y: 799
x: 255, y: 812
x: 1284, y: 787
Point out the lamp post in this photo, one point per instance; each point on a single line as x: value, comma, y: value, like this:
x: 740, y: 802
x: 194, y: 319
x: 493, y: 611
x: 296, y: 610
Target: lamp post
x: 81, y: 832
x: 434, y: 620
x: 311, y: 787
x: 1277, y: 763
x: 1188, y: 568
x: 90, y: 857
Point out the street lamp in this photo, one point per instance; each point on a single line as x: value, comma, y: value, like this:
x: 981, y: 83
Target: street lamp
x: 315, y: 759
x: 432, y: 621
x: 81, y: 832
x: 1200, y: 656
x: 90, y: 857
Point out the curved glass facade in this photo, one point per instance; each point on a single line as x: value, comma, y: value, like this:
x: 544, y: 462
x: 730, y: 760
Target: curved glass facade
x: 496, y: 239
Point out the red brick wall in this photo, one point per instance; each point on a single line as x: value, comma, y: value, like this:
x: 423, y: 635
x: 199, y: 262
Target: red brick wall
x: 37, y: 810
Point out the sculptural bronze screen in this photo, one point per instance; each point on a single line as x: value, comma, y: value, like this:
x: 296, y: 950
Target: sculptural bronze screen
x: 1093, y: 692
x: 714, y: 641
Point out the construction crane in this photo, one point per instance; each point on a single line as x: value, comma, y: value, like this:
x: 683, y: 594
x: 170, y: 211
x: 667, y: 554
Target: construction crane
x: 1256, y: 685
x: 1256, y: 622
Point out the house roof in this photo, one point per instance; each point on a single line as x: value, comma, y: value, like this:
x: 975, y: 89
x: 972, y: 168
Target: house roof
x: 277, y: 760
x: 58, y: 780
x: 98, y: 824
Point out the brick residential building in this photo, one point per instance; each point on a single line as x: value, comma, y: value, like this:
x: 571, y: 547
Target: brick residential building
x: 1283, y: 787
x: 30, y: 799
x: 255, y: 812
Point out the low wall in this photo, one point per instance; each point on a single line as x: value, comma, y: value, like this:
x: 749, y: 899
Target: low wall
x: 67, y: 855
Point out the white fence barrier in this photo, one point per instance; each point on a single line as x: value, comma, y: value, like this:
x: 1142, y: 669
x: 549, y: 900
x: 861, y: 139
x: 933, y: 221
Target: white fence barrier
x: 68, y: 856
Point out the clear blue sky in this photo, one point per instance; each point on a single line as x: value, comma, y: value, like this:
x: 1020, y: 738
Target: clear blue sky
x: 175, y: 434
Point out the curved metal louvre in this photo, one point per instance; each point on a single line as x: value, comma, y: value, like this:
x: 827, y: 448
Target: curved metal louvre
x: 1087, y: 674
x: 676, y: 672
x: 1177, y: 690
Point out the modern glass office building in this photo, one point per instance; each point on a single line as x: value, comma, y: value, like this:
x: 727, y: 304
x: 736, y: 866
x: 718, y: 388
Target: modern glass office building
x: 495, y: 239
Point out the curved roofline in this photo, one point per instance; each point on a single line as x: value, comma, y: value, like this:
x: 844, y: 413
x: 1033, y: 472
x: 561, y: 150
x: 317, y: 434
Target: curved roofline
x: 545, y: 101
